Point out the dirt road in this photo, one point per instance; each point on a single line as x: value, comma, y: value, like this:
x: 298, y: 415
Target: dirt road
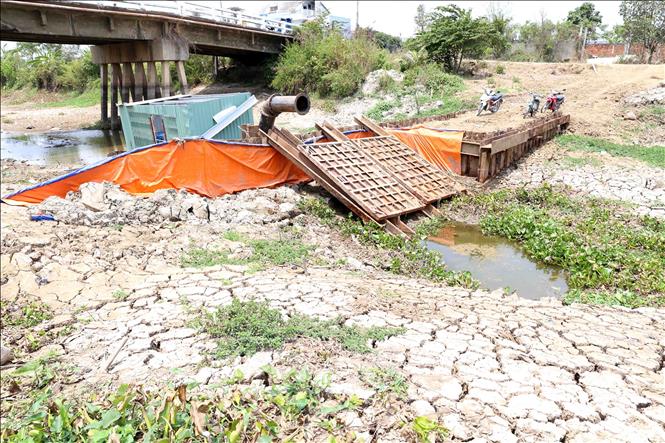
x: 594, y: 99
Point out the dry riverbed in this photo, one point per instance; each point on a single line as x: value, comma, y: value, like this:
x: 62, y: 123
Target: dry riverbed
x: 116, y: 295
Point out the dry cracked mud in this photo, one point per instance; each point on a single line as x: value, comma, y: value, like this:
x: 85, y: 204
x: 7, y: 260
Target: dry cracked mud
x: 489, y: 367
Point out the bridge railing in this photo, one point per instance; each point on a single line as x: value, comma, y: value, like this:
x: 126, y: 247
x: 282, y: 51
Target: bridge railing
x: 195, y: 11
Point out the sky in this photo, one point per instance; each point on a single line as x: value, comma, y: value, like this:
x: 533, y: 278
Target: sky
x: 396, y: 17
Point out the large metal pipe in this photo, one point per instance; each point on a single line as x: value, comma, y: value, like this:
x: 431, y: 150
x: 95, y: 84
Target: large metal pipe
x: 277, y: 104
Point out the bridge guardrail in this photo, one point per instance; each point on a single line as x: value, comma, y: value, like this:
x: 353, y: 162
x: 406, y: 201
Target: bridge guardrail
x: 194, y: 10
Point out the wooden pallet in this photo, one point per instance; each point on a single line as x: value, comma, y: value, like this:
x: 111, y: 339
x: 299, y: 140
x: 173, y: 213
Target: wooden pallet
x: 373, y: 187
x: 378, y: 178
x: 292, y: 148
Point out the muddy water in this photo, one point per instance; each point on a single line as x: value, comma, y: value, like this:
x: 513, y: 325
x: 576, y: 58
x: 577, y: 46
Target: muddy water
x: 496, y: 262
x: 67, y: 147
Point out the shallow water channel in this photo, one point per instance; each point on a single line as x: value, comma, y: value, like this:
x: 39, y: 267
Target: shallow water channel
x: 81, y: 147
x: 496, y: 262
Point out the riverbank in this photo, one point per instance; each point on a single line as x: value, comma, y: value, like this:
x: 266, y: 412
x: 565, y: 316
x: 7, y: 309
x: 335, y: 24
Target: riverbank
x: 92, y: 306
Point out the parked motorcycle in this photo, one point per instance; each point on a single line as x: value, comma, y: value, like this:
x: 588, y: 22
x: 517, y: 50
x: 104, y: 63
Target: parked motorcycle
x: 533, y: 106
x: 490, y: 101
x: 553, y: 101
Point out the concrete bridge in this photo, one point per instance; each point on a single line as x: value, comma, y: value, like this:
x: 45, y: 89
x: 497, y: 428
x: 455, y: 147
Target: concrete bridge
x: 134, y: 42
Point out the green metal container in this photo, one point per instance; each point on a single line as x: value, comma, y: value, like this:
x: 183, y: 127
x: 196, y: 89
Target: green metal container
x: 153, y: 121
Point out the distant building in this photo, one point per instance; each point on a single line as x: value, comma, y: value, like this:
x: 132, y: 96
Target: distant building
x: 296, y: 13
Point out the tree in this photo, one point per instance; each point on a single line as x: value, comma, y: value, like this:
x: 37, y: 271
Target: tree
x: 644, y: 22
x: 586, y: 17
x: 615, y: 35
x: 452, y: 34
x: 382, y: 40
x: 500, y: 19
x: 421, y: 18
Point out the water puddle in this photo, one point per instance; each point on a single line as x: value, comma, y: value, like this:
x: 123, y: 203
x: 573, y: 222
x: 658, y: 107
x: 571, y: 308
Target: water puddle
x: 496, y: 262
x: 80, y: 147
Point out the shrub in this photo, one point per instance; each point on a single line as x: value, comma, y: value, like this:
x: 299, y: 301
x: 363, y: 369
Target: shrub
x: 434, y: 79
x: 321, y: 60
x: 500, y: 69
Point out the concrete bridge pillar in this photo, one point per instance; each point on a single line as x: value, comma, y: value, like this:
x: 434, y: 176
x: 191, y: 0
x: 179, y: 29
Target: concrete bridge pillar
x: 130, y: 80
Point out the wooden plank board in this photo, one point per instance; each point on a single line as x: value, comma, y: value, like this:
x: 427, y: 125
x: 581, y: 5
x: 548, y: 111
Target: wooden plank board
x: 371, y: 186
x: 429, y: 183
x: 281, y: 141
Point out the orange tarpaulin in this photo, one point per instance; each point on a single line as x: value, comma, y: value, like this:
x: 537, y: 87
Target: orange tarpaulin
x: 212, y: 168
x: 442, y: 148
x: 209, y: 168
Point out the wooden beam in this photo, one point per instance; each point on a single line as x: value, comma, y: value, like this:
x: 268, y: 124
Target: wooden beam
x: 331, y: 132
x: 370, y: 125
x: 432, y: 210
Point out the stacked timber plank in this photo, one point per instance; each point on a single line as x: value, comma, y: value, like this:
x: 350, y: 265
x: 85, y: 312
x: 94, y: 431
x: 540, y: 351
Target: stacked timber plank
x: 378, y: 178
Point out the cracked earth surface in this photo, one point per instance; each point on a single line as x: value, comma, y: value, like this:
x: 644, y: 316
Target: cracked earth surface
x: 487, y: 366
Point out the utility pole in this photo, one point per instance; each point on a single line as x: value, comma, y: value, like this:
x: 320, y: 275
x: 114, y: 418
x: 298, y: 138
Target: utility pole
x: 357, y: 15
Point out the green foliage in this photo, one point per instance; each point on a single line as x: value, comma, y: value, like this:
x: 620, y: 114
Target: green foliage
x: 264, y: 252
x: 409, y: 257
x: 625, y: 298
x: 500, y: 69
x: 603, y: 251
x: 644, y: 22
x: 244, y: 328
x: 287, y: 402
x: 653, y: 155
x: 452, y: 34
x: 199, y: 69
x: 27, y: 316
x: 385, y: 41
x: 321, y: 60
x: 426, y: 428
x: 385, y: 381
x: 544, y: 36
x: 76, y: 100
x: 47, y: 66
x: 426, y: 83
x: 586, y: 16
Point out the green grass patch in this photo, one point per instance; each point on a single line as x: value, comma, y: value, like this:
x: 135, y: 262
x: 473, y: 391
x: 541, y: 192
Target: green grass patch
x: 604, y: 250
x: 76, y: 100
x: 244, y: 328
x: 653, y: 155
x: 26, y: 316
x: 263, y: 253
x: 408, y: 257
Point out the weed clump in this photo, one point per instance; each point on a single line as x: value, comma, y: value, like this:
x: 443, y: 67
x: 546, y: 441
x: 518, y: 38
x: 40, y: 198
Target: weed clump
x: 263, y: 253
x: 291, y: 402
x: 244, y: 328
x: 410, y: 257
x: 611, y: 257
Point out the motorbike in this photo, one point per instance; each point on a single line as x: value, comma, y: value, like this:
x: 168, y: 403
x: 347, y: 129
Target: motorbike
x: 533, y: 106
x: 490, y: 101
x: 553, y: 101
